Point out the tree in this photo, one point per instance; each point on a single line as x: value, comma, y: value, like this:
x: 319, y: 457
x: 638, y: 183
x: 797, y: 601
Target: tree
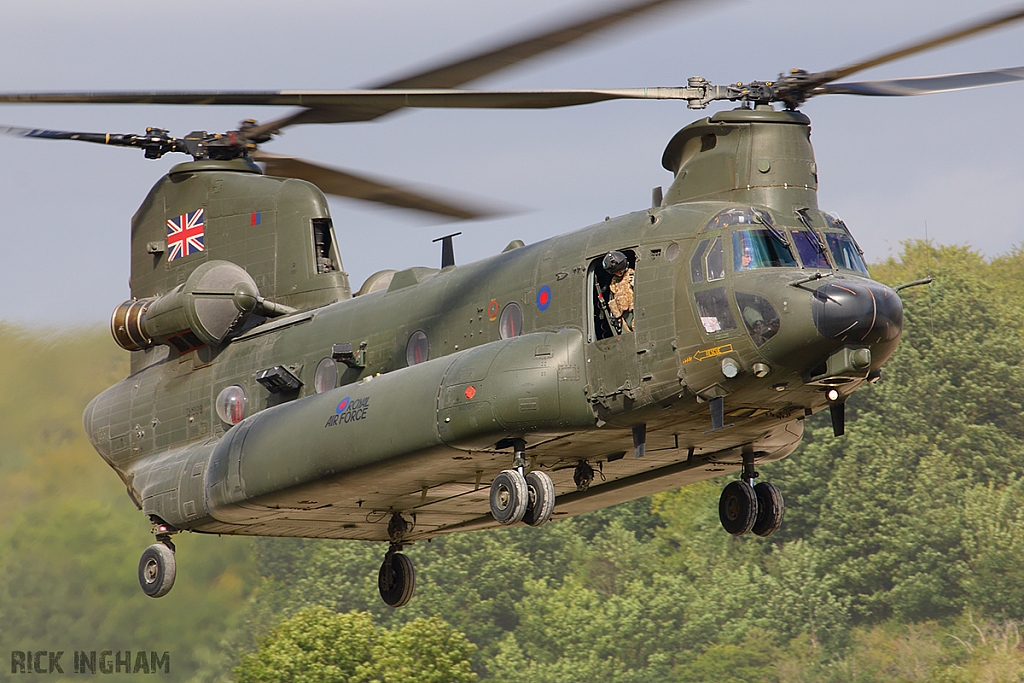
x: 315, y: 646
x: 320, y: 646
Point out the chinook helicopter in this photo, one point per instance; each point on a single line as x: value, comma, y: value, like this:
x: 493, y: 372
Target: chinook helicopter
x: 268, y: 398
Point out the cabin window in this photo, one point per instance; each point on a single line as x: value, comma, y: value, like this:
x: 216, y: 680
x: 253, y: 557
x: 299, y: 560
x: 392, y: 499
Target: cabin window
x: 511, y: 322
x: 606, y: 318
x: 713, y: 310
x: 417, y: 350
x: 324, y: 252
x: 326, y: 376
x: 811, y: 249
x: 230, y: 404
x: 760, y: 249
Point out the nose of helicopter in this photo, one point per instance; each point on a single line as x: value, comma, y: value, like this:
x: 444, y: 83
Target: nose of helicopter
x: 864, y: 312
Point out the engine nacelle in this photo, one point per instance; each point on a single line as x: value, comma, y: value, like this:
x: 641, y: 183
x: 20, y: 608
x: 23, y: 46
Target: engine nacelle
x: 216, y: 298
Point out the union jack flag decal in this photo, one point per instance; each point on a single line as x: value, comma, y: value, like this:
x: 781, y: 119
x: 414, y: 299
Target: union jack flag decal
x: 185, y: 234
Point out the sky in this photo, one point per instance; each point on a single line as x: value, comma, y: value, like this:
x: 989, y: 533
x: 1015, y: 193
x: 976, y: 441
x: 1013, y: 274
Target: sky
x: 948, y: 166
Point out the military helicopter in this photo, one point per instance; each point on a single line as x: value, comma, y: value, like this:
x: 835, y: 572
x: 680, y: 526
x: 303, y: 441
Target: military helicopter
x: 649, y: 351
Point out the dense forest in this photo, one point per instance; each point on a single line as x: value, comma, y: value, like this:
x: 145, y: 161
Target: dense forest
x: 901, y: 557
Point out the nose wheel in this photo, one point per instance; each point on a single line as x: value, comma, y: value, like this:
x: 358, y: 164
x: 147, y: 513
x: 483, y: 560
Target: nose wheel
x: 745, y: 507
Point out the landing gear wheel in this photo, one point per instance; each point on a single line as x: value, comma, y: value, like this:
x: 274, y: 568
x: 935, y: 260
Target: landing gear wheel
x: 509, y: 497
x: 156, y: 570
x: 770, y: 509
x: 737, y: 508
x: 541, y: 498
x: 396, y: 579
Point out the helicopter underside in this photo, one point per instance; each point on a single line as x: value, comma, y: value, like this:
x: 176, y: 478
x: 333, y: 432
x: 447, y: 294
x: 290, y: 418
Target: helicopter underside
x: 444, y: 490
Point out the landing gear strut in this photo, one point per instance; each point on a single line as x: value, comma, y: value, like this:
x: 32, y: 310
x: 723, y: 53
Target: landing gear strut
x: 745, y: 507
x: 396, y: 579
x: 520, y: 497
x: 157, y: 566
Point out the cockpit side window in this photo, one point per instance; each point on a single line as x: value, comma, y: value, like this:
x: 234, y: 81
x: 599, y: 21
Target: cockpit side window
x: 845, y: 252
x: 714, y: 262
x: 697, y: 263
x: 759, y: 249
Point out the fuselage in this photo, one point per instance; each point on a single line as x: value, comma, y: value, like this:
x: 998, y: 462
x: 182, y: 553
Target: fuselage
x: 320, y: 469
x: 752, y: 309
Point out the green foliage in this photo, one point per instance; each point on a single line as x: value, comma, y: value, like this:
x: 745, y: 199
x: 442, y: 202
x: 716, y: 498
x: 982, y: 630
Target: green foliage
x: 899, y: 560
x: 320, y: 646
x: 314, y: 646
x: 71, y: 538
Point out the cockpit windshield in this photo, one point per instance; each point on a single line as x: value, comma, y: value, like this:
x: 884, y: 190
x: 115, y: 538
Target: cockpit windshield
x: 760, y: 249
x: 811, y: 249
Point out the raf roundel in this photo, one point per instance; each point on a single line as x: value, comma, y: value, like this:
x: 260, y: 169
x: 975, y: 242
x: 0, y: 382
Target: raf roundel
x: 341, y: 406
x: 544, y: 298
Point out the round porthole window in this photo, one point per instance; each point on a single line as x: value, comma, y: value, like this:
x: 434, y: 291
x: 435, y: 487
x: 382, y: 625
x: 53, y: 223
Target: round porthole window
x: 231, y: 404
x: 417, y: 350
x: 511, y: 323
x: 326, y: 376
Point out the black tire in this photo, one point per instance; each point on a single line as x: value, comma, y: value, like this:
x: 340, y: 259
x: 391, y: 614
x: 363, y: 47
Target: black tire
x: 509, y: 497
x: 396, y: 580
x: 541, y: 498
x: 737, y: 508
x: 770, y: 509
x: 156, y: 570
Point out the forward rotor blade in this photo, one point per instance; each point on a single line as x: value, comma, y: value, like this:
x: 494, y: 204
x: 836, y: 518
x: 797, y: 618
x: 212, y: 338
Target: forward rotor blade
x: 341, y: 101
x: 925, y: 85
x: 344, y: 184
x: 1011, y: 16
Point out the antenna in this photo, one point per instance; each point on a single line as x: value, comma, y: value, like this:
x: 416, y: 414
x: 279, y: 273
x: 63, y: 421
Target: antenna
x: 447, y: 249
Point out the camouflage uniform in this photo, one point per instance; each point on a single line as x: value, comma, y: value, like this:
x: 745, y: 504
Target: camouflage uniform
x: 621, y: 302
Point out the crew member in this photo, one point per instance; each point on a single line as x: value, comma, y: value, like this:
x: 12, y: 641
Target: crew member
x: 620, y: 302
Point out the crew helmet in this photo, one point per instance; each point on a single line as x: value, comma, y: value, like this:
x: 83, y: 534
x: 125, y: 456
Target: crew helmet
x: 615, y: 262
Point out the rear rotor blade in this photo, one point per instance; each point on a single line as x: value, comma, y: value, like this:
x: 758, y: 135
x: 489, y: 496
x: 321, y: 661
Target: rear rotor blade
x: 344, y: 184
x: 101, y: 138
x: 925, y: 85
x: 461, y: 71
x: 451, y: 74
x: 464, y: 70
x: 1008, y: 17
x: 341, y: 101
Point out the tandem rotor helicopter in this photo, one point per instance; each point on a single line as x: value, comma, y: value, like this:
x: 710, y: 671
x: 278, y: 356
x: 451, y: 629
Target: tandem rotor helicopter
x: 652, y: 350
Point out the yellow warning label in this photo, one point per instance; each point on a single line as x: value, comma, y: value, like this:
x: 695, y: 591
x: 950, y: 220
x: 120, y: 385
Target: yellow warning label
x: 704, y: 354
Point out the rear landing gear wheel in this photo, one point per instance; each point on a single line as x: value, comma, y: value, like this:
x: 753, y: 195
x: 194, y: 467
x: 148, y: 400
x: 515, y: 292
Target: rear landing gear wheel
x: 156, y: 570
x: 770, y: 509
x: 509, y: 497
x: 396, y: 579
x: 737, y: 508
x: 541, y: 498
